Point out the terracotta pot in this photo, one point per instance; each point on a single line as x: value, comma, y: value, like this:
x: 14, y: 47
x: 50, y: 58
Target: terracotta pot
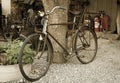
x: 11, y: 72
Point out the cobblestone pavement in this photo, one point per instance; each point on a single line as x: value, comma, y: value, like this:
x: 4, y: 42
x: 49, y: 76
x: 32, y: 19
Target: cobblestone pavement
x: 104, y: 69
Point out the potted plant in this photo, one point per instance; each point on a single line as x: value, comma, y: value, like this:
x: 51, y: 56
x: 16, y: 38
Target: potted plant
x: 9, y: 69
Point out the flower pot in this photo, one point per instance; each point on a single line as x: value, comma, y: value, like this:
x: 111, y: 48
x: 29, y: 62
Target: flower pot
x: 11, y: 72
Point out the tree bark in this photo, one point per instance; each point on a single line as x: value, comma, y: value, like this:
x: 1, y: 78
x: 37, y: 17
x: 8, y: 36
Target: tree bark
x: 58, y: 31
x: 118, y: 20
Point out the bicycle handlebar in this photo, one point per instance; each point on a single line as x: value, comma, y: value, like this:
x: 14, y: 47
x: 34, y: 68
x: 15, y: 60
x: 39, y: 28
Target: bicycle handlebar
x: 53, y: 9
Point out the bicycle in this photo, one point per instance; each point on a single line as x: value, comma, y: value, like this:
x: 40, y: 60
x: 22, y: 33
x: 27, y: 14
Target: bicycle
x: 84, y: 41
x: 11, y: 30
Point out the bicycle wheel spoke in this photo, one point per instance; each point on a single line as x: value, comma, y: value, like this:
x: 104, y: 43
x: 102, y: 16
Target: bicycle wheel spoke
x: 40, y: 54
x: 39, y: 67
x: 85, y: 46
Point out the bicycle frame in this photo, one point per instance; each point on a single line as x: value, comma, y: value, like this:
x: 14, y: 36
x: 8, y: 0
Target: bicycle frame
x: 42, y: 52
x: 58, y: 43
x: 47, y: 33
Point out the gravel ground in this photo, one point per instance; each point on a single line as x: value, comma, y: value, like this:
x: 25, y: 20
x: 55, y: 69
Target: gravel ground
x: 104, y: 69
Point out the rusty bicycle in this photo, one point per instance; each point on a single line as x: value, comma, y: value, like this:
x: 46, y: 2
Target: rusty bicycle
x: 83, y: 46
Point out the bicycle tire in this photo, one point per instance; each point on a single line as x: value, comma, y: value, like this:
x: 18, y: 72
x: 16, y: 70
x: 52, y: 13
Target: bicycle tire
x: 85, y: 45
x: 38, y: 65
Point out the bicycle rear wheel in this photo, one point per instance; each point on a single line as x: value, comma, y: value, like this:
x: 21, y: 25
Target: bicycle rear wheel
x: 85, y: 44
x: 39, y: 54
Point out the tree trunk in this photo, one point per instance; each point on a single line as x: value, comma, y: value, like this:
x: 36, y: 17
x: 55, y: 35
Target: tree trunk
x: 58, y: 31
x: 118, y: 20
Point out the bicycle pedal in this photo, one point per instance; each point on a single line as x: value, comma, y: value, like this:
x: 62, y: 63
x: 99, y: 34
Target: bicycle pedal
x: 68, y: 56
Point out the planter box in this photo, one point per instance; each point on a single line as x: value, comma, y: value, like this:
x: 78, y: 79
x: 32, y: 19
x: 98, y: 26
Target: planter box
x: 11, y: 72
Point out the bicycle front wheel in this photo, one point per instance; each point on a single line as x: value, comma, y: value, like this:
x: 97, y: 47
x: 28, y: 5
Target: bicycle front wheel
x: 38, y: 52
x: 85, y: 45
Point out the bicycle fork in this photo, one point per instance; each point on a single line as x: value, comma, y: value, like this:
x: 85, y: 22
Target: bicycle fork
x: 44, y: 22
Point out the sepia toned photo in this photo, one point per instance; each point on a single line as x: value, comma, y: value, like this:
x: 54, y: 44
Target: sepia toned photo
x: 59, y: 41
